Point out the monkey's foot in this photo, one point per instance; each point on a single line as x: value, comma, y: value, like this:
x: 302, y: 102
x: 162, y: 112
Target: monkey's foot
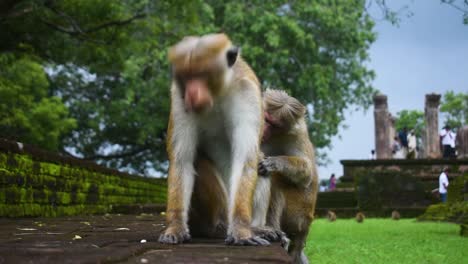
x: 269, y: 233
x: 251, y: 241
x: 285, y: 242
x: 174, y: 237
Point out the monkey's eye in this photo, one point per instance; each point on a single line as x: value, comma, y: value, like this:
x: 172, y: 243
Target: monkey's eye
x: 231, y: 56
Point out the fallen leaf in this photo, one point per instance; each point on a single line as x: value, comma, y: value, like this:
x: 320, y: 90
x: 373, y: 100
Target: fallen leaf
x: 76, y: 237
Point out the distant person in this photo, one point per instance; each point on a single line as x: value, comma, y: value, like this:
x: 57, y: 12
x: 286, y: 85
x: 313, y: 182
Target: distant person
x: 323, y: 186
x: 403, y: 137
x: 396, y: 148
x: 443, y: 184
x: 332, y: 183
x: 372, y: 155
x: 411, y: 145
x: 448, y: 142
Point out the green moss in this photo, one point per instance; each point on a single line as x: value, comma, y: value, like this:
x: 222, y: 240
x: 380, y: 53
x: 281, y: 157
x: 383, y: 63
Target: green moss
x: 378, y: 189
x: 32, y: 188
x: 456, y: 189
x: 464, y: 230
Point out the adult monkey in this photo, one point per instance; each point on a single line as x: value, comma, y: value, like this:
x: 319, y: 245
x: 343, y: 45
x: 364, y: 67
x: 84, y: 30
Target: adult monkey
x: 290, y: 164
x: 214, y: 132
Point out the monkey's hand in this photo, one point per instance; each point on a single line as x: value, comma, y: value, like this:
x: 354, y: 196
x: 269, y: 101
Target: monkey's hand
x: 174, y: 234
x: 266, y: 166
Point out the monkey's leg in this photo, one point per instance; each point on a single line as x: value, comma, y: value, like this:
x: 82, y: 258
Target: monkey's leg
x: 295, y: 169
x: 208, y: 212
x: 261, y: 201
x: 179, y: 193
x: 296, y: 248
x: 240, y: 207
x: 265, y: 229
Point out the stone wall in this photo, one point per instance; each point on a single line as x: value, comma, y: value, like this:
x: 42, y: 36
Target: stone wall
x: 424, y: 169
x: 381, y: 186
x: 39, y: 183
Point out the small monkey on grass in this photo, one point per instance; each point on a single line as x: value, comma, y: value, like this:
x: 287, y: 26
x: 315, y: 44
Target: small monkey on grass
x: 213, y: 142
x: 331, y: 216
x: 289, y: 164
x: 395, y: 215
x: 360, y: 217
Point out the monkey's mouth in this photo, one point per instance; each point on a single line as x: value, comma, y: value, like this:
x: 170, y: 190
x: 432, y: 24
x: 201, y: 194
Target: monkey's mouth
x: 269, y: 120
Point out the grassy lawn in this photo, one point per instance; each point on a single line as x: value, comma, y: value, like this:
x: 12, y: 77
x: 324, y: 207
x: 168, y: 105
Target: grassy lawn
x: 385, y: 241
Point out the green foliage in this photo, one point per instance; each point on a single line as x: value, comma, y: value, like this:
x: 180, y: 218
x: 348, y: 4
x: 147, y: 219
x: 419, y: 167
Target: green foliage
x: 107, y: 61
x: 27, y: 113
x: 460, y: 5
x: 411, y: 119
x: 385, y: 241
x: 455, y: 109
x: 315, y: 50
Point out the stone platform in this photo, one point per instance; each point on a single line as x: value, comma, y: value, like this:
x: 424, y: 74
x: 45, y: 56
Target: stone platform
x: 115, y: 239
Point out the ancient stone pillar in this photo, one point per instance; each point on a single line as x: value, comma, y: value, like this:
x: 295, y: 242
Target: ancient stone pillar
x: 462, y: 143
x: 391, y: 129
x: 431, y: 111
x: 382, y: 146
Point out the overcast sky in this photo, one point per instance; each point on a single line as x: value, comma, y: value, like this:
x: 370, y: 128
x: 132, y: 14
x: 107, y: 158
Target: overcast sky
x: 427, y: 53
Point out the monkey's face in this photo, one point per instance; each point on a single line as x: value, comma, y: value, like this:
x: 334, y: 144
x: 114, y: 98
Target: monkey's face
x: 273, y: 126
x: 200, y: 65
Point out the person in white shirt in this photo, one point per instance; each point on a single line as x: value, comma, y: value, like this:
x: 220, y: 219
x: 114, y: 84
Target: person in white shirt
x: 443, y: 184
x: 448, y: 141
x: 411, y: 145
x: 372, y: 155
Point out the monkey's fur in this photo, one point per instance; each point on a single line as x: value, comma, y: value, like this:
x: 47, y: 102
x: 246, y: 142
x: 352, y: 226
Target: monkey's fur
x: 395, y: 215
x: 331, y: 216
x: 213, y: 141
x: 290, y: 165
x: 360, y: 217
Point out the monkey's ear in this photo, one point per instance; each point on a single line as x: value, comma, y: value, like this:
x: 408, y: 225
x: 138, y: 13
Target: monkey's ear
x: 231, y: 55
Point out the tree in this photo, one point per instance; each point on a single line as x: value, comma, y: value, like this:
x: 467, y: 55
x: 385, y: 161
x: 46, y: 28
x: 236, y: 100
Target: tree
x: 27, y: 113
x: 460, y: 5
x: 315, y: 50
x: 455, y: 109
x: 107, y: 61
x: 411, y: 119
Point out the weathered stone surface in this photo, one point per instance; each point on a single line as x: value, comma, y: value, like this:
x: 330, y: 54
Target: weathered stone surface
x: 431, y: 139
x: 391, y: 129
x: 382, y: 144
x: 462, y: 143
x: 115, y: 238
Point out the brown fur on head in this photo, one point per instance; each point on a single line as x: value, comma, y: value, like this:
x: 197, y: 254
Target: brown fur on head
x: 282, y: 107
x: 201, y: 67
x: 395, y: 215
x: 196, y: 54
x: 281, y: 112
x: 360, y: 217
x: 331, y: 216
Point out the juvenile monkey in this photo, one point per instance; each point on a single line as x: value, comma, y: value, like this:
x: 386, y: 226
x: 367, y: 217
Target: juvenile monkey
x: 360, y: 217
x: 290, y: 165
x: 213, y: 141
x: 331, y: 216
x: 395, y: 215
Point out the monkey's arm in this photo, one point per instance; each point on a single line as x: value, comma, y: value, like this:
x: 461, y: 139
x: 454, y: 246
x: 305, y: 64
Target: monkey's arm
x: 181, y: 152
x: 295, y: 169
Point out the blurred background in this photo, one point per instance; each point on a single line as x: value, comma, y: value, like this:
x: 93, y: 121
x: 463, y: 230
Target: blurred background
x: 90, y: 79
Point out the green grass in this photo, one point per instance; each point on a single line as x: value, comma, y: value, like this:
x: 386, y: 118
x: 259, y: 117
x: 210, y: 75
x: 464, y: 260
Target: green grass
x: 385, y: 241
